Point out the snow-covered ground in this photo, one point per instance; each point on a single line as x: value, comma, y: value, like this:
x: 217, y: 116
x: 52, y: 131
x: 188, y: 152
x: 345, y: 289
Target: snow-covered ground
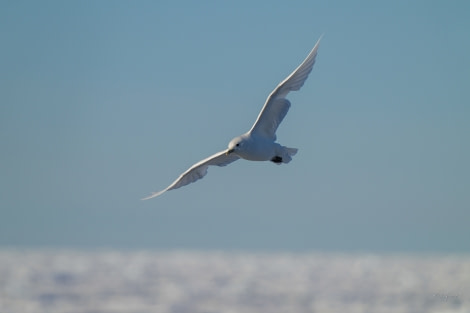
x: 72, y: 281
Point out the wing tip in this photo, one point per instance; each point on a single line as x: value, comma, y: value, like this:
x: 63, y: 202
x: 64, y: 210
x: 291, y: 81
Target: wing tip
x: 317, y: 44
x: 153, y: 195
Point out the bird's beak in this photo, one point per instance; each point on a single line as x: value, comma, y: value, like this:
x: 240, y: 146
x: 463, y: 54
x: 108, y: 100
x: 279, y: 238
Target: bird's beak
x: 229, y: 151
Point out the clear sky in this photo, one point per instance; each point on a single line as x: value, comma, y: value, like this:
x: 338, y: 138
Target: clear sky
x: 103, y: 102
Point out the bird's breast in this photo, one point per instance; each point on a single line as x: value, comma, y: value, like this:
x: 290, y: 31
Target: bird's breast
x: 259, y: 151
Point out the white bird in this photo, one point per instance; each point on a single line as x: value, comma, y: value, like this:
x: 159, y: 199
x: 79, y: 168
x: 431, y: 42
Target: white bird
x: 259, y: 143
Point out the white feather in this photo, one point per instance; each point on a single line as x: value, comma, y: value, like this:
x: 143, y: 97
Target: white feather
x: 259, y: 143
x: 276, y: 105
x: 198, y: 171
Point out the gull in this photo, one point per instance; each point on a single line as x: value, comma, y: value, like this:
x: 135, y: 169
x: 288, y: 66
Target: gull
x: 259, y: 143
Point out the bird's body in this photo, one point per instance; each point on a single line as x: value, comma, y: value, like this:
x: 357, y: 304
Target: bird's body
x: 259, y: 143
x: 253, y: 147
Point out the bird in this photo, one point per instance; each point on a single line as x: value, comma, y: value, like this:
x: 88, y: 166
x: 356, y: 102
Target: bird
x: 259, y: 143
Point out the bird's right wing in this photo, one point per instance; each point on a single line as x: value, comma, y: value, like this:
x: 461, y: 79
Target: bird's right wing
x: 198, y: 171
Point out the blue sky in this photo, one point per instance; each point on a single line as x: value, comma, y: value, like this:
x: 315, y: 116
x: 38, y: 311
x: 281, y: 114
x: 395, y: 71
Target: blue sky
x: 103, y: 102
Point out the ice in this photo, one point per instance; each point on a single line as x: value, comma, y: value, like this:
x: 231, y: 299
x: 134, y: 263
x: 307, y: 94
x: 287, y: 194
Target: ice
x: 71, y: 281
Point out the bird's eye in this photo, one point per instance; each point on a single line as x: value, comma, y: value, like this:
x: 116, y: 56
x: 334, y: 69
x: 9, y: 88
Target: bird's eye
x: 238, y: 144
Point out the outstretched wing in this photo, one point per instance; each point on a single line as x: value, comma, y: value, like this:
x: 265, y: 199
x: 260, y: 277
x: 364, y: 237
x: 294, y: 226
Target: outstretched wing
x: 198, y: 171
x: 276, y: 105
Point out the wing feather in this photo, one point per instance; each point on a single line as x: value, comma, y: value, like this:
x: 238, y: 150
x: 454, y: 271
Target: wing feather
x: 276, y: 106
x: 198, y: 171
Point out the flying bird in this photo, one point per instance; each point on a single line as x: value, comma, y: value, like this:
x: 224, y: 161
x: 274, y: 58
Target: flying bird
x: 259, y: 143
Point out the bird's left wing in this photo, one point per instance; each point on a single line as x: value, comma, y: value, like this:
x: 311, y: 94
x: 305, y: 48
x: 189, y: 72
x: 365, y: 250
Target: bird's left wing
x: 276, y: 105
x: 198, y: 171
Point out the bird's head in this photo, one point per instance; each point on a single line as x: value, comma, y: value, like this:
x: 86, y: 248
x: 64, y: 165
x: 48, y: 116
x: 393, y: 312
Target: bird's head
x: 236, y: 144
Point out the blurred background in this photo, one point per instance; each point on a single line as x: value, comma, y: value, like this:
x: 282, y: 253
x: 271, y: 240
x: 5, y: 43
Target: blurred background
x: 103, y: 102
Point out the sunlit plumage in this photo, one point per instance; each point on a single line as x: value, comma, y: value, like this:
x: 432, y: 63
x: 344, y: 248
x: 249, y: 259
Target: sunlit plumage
x: 259, y: 143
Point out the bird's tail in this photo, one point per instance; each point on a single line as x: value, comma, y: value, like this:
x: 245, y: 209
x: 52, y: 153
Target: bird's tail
x: 288, y: 153
x: 291, y: 151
